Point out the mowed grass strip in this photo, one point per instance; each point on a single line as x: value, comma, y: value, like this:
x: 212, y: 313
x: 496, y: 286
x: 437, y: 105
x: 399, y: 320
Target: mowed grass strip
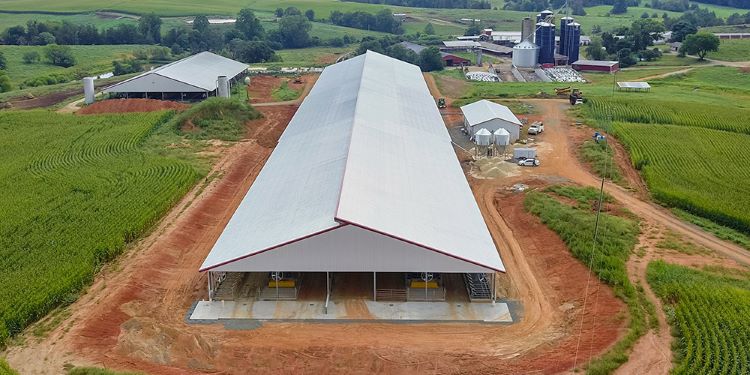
x: 702, y: 171
x: 76, y: 189
x: 709, y: 314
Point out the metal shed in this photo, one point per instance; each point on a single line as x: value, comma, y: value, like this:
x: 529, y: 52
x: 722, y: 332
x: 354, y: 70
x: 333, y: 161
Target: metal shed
x: 363, y: 179
x: 491, y: 116
x: 194, y: 77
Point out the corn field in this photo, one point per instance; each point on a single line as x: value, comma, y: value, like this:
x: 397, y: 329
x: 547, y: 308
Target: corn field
x: 709, y: 313
x: 76, y: 190
x: 671, y: 112
x: 702, y: 171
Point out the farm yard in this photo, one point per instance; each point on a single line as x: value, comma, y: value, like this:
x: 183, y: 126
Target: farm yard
x: 112, y: 210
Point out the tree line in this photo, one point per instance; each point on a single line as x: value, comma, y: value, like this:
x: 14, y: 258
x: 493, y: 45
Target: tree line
x: 381, y: 21
x: 429, y: 59
x: 448, y: 4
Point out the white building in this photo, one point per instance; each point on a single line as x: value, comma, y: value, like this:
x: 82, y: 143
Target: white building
x: 485, y: 114
x: 363, y: 179
x: 194, y: 77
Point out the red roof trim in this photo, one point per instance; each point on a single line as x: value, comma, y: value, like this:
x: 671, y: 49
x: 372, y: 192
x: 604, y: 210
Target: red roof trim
x: 416, y: 244
x: 273, y: 247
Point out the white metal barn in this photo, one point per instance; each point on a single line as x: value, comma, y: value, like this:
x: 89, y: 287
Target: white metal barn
x: 363, y: 179
x: 194, y: 77
x: 485, y: 114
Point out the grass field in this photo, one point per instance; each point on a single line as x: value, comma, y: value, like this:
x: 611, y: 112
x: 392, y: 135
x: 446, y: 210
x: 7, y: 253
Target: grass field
x: 708, y: 311
x: 89, y: 60
x: 77, y: 189
x: 732, y: 50
x: 617, y: 237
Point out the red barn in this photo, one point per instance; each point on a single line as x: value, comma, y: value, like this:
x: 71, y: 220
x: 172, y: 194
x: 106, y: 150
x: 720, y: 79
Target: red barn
x: 596, y: 66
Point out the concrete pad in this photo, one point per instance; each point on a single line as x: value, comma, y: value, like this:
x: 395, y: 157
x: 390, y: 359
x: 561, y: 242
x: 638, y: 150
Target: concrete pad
x: 352, y: 310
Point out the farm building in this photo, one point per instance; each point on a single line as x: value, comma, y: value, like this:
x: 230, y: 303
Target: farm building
x: 363, y: 181
x: 596, y: 66
x: 633, y: 86
x: 192, y: 78
x: 448, y: 59
x: 485, y: 114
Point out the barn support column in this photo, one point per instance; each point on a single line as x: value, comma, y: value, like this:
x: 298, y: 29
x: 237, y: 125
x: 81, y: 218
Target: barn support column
x: 210, y: 286
x: 494, y: 292
x: 374, y: 286
x: 328, y: 292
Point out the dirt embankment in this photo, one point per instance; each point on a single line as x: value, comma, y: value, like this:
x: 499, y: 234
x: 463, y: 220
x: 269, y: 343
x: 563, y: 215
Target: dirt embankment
x: 261, y: 87
x: 130, y: 105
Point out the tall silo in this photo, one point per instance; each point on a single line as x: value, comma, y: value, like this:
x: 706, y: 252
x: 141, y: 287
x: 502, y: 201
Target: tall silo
x: 574, y: 39
x: 545, y: 39
x: 543, y: 15
x: 525, y: 54
x: 527, y: 29
x: 564, y: 41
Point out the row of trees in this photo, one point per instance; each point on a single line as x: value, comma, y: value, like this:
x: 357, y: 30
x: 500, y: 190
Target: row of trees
x: 633, y: 44
x: 4, y: 80
x: 147, y: 31
x: 381, y: 21
x: 429, y: 59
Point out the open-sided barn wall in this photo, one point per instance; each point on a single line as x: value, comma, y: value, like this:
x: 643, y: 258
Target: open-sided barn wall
x: 351, y: 249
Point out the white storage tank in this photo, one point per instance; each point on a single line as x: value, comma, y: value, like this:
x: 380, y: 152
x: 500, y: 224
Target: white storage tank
x: 525, y: 54
x: 88, y: 90
x: 483, y: 137
x: 223, y: 87
x: 502, y: 137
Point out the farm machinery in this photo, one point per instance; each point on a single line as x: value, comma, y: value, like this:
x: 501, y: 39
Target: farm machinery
x: 441, y: 103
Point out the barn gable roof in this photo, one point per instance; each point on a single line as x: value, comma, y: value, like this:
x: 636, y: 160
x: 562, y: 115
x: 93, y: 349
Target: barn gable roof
x: 367, y: 148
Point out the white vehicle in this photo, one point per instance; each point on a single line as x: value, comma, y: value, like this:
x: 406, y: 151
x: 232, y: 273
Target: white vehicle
x: 529, y: 162
x: 536, y: 128
x: 578, y: 101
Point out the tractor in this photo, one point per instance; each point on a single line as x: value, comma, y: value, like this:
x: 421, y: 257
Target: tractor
x: 441, y: 103
x: 576, y: 97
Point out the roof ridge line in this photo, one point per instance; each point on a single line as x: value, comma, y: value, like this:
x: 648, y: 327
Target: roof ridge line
x: 351, y: 135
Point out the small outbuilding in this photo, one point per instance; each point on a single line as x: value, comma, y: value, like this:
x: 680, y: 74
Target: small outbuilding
x: 633, y: 86
x: 195, y: 77
x: 596, y: 66
x: 485, y: 114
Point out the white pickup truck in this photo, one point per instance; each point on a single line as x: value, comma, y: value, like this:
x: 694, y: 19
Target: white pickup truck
x: 536, y: 128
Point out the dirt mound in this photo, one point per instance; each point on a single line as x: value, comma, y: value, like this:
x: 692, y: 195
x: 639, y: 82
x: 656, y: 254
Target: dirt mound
x: 130, y: 105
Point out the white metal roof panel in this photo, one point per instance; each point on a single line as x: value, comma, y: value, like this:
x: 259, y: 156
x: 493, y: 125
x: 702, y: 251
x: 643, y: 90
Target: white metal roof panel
x: 460, y: 44
x: 485, y: 110
x: 201, y: 71
x: 388, y: 167
x: 596, y: 62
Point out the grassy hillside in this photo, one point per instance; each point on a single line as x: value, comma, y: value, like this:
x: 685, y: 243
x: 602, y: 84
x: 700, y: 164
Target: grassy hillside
x: 732, y: 50
x: 89, y: 60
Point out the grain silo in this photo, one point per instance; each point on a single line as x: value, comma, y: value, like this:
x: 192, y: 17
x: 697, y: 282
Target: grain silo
x: 543, y: 15
x: 527, y: 29
x: 564, y: 40
x: 525, y: 54
x: 483, y: 137
x: 545, y: 39
x: 573, y: 34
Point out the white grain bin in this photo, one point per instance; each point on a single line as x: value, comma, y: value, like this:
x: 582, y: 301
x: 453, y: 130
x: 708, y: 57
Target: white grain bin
x: 524, y: 153
x: 483, y: 137
x: 502, y: 137
x: 88, y: 90
x: 525, y: 54
x: 222, y: 89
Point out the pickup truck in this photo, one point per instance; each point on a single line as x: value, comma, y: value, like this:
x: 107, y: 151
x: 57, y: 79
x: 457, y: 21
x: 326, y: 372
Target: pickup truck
x: 536, y: 128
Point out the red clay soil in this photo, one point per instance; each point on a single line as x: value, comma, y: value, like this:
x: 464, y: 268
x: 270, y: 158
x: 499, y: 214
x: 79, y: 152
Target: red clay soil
x: 130, y: 105
x: 261, y: 87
